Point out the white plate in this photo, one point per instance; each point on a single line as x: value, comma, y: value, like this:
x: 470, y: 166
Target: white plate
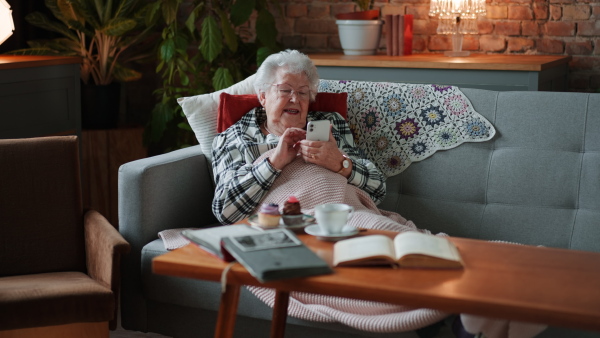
x: 306, y: 220
x: 315, y: 230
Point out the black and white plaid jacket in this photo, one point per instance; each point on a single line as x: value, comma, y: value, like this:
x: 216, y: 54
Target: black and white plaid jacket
x: 241, y: 184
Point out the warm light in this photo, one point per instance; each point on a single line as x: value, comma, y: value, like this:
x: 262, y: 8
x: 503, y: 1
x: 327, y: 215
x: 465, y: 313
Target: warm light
x: 6, y: 21
x: 457, y: 17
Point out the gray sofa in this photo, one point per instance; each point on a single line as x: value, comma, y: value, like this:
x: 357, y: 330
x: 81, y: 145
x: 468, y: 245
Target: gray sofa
x: 537, y: 182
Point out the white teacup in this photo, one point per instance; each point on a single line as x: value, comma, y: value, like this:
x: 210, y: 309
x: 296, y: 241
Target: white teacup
x: 333, y: 217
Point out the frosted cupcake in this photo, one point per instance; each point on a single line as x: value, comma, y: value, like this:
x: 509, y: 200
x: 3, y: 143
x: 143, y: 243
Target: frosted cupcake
x: 292, y: 215
x: 268, y: 215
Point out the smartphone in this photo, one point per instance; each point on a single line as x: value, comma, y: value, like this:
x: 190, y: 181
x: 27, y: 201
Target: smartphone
x: 318, y: 130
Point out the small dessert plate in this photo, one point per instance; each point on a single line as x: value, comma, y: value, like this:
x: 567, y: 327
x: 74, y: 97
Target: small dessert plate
x: 315, y: 230
x: 306, y: 220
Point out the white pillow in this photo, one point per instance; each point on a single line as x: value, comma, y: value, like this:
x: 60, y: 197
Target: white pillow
x: 201, y: 112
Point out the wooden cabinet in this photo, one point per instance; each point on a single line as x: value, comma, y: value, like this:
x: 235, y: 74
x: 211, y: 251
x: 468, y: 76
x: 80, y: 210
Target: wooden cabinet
x: 39, y: 96
x: 492, y: 72
x: 104, y: 151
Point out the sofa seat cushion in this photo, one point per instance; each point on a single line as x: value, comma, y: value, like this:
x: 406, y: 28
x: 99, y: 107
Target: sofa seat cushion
x: 53, y: 299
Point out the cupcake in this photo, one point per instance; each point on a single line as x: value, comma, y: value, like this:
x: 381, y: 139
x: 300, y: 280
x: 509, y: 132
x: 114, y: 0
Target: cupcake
x: 268, y: 215
x: 292, y: 215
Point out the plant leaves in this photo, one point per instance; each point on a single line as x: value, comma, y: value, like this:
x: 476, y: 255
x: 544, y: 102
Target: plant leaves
x: 261, y: 54
x: 88, y: 12
x: 151, y: 11
x: 41, y: 20
x: 34, y: 51
x: 222, y: 79
x: 167, y: 50
x: 190, y: 23
x: 169, y: 9
x: 124, y: 74
x: 212, y: 41
x: 266, y: 31
x: 241, y: 11
x: 228, y: 32
x: 119, y: 26
x: 161, y: 115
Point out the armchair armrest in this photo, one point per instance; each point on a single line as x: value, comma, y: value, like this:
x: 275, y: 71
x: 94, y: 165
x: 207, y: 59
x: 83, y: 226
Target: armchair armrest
x: 104, y: 246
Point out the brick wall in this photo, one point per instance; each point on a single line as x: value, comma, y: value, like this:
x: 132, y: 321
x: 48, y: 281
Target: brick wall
x: 557, y: 27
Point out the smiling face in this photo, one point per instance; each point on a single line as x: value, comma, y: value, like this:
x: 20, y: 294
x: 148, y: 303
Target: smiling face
x: 286, y: 112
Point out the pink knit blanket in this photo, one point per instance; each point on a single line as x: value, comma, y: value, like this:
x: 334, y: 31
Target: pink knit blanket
x: 314, y: 185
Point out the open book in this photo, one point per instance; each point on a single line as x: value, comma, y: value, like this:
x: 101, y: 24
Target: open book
x: 408, y: 249
x: 209, y: 239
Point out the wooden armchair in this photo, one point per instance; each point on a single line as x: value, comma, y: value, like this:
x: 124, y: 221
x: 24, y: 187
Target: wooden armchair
x: 59, y: 265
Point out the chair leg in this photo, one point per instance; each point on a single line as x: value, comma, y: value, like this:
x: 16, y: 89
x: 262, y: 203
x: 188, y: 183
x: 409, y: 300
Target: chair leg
x: 75, y: 330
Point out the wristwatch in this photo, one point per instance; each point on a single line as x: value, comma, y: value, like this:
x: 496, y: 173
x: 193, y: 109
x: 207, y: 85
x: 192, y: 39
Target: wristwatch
x: 345, y: 164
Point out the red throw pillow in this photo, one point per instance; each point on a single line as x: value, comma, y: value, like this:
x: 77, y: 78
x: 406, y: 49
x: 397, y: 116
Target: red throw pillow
x: 233, y: 107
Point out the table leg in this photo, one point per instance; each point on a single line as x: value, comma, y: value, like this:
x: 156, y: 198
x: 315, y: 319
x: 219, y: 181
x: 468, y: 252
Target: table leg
x: 227, y: 312
x: 282, y: 299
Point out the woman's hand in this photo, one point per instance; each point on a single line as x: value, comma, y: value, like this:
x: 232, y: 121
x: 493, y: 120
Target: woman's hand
x: 323, y: 153
x: 287, y: 148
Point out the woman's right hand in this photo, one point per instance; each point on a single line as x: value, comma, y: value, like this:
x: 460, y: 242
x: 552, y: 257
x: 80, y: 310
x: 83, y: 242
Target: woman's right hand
x: 287, y: 148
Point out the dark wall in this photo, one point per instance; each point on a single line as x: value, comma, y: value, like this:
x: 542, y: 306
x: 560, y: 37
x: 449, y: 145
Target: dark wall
x: 23, y: 30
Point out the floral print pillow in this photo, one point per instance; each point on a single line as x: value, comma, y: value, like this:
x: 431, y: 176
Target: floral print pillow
x: 396, y: 124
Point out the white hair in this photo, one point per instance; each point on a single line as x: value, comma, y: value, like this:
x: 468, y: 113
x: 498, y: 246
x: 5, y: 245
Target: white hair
x: 291, y: 61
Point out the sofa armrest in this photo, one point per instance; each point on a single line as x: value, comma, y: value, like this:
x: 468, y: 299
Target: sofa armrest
x: 104, y: 247
x: 172, y: 190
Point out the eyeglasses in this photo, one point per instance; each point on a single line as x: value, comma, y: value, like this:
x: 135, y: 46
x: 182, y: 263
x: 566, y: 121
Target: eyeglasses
x: 285, y: 91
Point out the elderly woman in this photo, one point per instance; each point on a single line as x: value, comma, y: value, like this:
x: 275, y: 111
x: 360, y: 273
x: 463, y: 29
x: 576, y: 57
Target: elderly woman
x: 285, y: 84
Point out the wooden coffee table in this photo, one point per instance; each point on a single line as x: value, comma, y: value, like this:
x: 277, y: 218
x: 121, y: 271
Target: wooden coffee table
x: 532, y: 284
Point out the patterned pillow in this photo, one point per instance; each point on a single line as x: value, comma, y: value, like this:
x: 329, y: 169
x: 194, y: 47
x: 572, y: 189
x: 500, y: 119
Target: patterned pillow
x: 396, y: 124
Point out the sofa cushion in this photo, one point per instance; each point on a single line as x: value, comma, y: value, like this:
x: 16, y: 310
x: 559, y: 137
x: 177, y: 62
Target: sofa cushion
x: 53, y: 299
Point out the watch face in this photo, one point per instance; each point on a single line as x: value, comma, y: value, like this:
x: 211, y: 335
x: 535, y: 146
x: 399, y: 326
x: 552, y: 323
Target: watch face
x: 346, y: 163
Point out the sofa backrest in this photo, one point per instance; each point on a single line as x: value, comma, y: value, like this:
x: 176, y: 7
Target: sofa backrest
x: 537, y: 182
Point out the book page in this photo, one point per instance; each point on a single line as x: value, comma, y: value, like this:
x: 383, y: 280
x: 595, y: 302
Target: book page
x: 413, y: 242
x: 359, y: 248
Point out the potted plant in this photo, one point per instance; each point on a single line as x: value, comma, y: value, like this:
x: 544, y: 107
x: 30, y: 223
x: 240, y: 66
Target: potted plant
x: 101, y: 33
x: 360, y: 31
x: 204, y: 46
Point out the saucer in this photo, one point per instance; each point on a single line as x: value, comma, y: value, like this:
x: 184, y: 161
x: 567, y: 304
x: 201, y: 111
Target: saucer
x: 348, y: 231
x: 306, y: 220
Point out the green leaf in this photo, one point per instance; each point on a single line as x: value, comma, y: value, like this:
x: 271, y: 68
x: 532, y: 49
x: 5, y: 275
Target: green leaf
x: 88, y: 12
x: 41, y: 20
x: 228, y: 32
x: 34, y: 51
x: 266, y: 31
x: 161, y: 115
x: 119, y: 26
x: 190, y: 23
x: 167, y: 50
x: 124, y: 74
x: 212, y: 42
x: 184, y: 126
x: 169, y: 9
x: 241, y: 11
x: 261, y: 54
x: 185, y: 80
x: 151, y: 10
x: 222, y: 79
